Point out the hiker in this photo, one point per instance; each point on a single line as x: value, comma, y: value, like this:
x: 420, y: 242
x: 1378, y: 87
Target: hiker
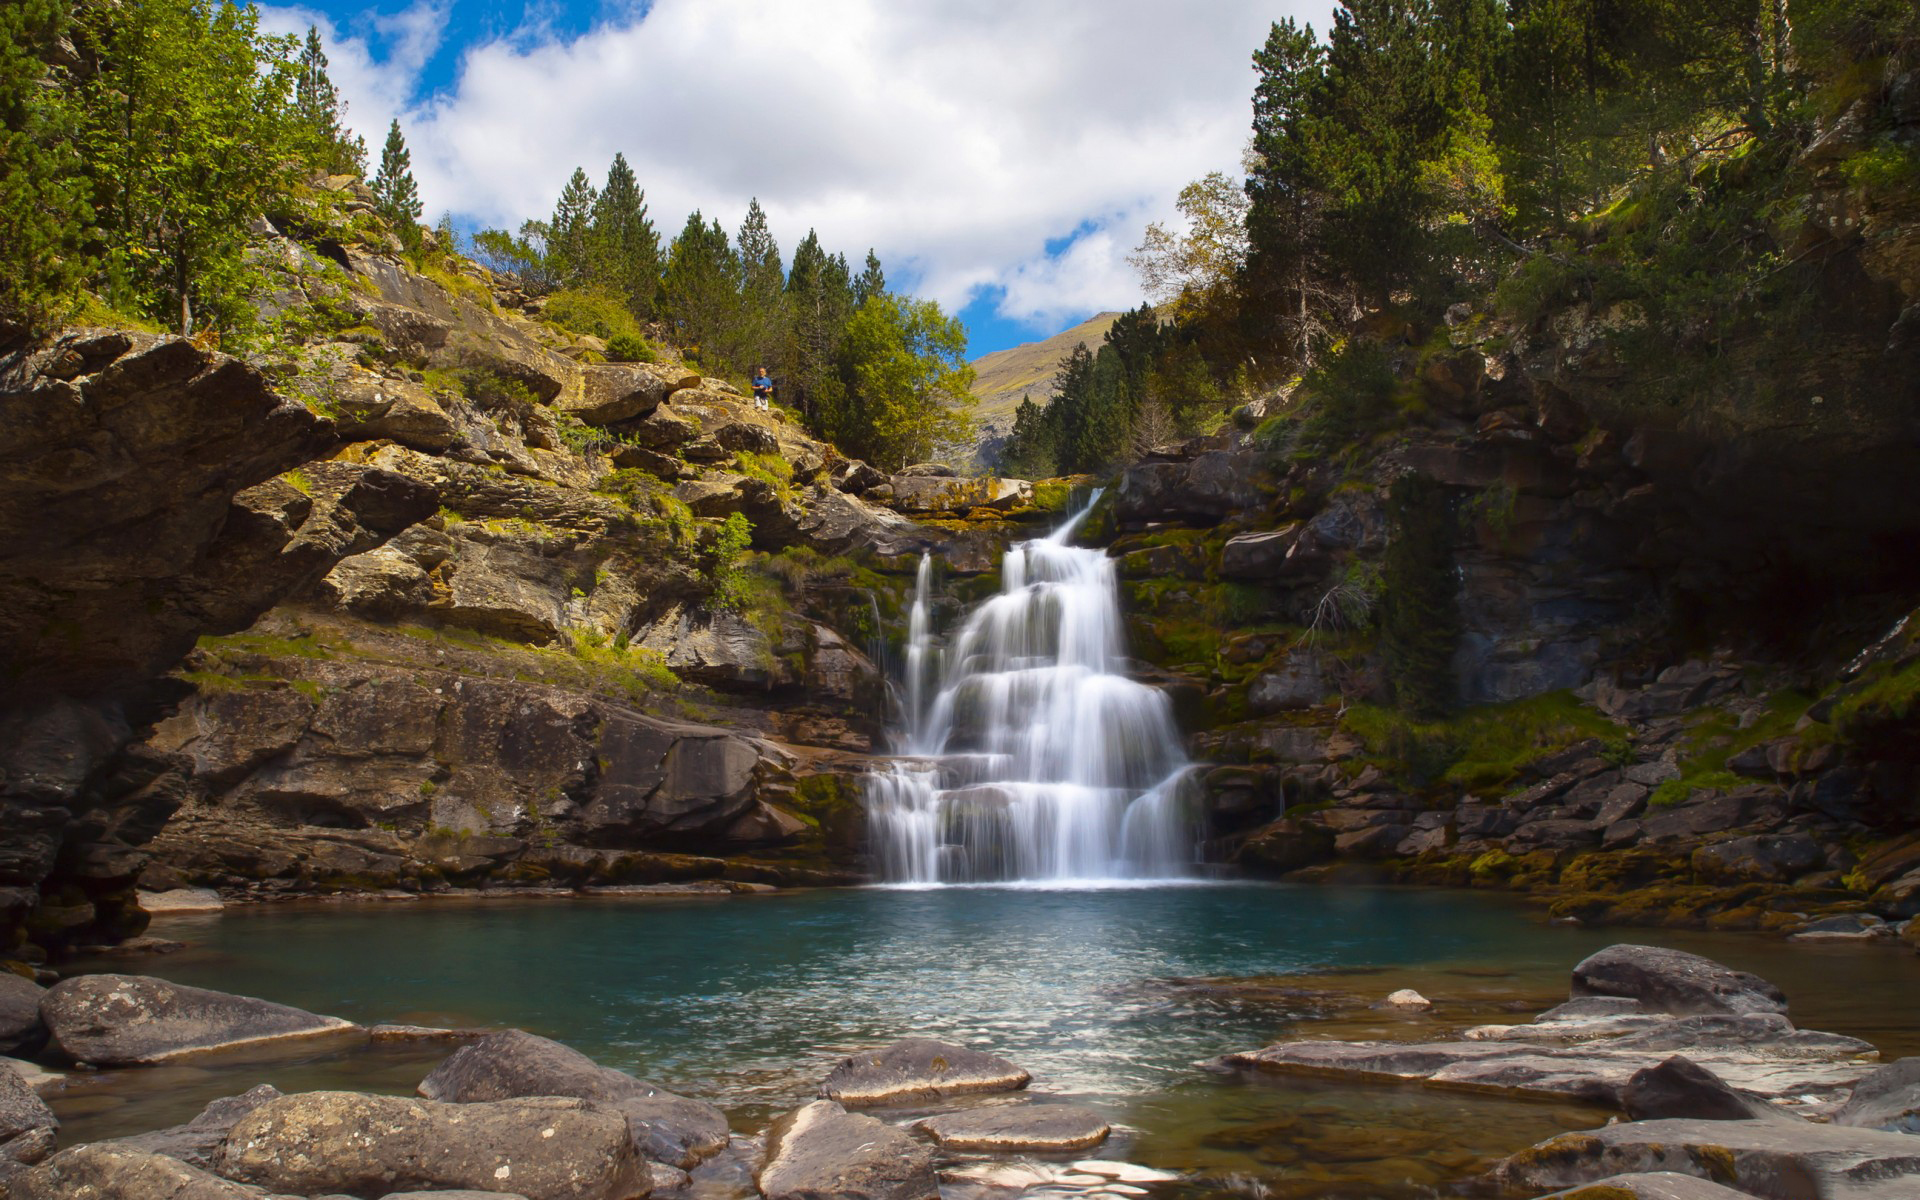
x: 762, y: 388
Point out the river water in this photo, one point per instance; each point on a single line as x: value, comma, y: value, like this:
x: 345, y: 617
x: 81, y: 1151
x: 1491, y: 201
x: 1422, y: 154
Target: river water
x: 748, y: 1001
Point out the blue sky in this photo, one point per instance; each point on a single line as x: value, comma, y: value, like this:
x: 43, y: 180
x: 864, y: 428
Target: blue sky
x: 1001, y: 156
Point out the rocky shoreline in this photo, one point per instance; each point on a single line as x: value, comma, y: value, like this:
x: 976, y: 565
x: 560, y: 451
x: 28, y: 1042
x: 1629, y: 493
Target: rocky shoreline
x: 1718, y: 1095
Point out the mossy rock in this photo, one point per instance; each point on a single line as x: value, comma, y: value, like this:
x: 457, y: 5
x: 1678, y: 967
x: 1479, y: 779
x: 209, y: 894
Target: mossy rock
x: 1616, y: 870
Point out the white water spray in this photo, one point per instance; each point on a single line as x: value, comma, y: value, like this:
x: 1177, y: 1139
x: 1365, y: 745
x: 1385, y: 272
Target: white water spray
x: 1036, y: 759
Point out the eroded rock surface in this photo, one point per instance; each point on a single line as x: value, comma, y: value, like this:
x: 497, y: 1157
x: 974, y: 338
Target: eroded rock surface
x: 919, y: 1069
x: 121, y: 1020
x: 821, y: 1150
x: 1019, y: 1128
x: 105, y: 1170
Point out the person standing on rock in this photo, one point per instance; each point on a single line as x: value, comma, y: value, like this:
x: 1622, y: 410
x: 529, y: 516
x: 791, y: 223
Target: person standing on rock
x: 762, y: 388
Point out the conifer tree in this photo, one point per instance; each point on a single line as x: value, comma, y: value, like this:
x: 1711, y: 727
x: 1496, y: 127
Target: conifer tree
x: 700, y: 289
x: 394, y: 192
x: 819, y: 302
x: 334, y: 149
x: 872, y: 281
x: 625, y: 248
x: 43, y: 211
x: 763, y: 309
x: 570, y: 231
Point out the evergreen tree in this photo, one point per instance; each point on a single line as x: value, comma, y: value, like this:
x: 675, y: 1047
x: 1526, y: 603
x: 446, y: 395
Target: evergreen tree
x: 334, y: 149
x: 43, y: 210
x: 819, y: 302
x: 625, y: 248
x: 570, y: 232
x: 189, y: 132
x: 872, y: 281
x: 1285, y: 284
x: 763, y: 307
x: 395, y: 194
x: 700, y: 290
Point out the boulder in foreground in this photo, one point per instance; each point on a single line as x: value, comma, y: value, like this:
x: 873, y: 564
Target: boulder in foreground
x: 1674, y: 981
x: 1887, y: 1099
x: 26, y: 1123
x: 124, y: 1020
x: 198, y: 1141
x: 20, y: 1028
x: 919, y: 1069
x: 1652, y: 1185
x: 513, y: 1063
x: 821, y: 1150
x: 1019, y: 1128
x: 112, y: 1172
x: 1680, y: 1087
x: 320, y: 1143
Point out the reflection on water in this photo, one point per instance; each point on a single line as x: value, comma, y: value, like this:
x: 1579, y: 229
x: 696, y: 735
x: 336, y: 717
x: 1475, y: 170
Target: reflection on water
x: 748, y: 1001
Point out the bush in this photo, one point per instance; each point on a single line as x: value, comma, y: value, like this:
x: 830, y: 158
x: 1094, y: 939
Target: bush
x: 592, y: 311
x: 626, y: 347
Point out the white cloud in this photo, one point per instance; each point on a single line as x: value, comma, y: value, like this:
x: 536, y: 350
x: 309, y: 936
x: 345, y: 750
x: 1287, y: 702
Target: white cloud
x: 957, y: 139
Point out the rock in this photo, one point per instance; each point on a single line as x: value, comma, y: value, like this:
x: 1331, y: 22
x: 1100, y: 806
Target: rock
x: 110, y: 1172
x: 182, y: 900
x: 919, y: 1069
x: 1762, y: 859
x: 1299, y: 682
x: 931, y: 494
x: 462, y: 1194
x: 1650, y: 1185
x: 1887, y: 1099
x: 1680, y: 1088
x: 1848, y: 927
x: 1019, y: 1128
x: 198, y: 1141
x: 1674, y: 981
x: 120, y: 1020
x: 545, y: 1149
x: 1407, y: 998
x: 821, y: 1151
x: 1774, y: 1160
x: 20, y: 1028
x: 1258, y: 556
x: 503, y: 1066
x: 26, y: 1123
x: 613, y: 392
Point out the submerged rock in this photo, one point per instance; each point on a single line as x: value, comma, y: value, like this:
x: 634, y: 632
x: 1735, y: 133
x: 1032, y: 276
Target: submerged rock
x: 1034, y: 1128
x: 198, y: 1141
x: 1770, y: 1159
x: 919, y: 1069
x: 551, y: 1148
x: 1674, y: 981
x: 121, y: 1020
x: 113, y: 1172
x: 821, y: 1150
x: 501, y: 1066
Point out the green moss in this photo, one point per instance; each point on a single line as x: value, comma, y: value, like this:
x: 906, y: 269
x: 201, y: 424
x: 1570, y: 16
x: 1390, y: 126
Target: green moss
x: 1714, y: 736
x: 770, y: 469
x: 1480, y: 749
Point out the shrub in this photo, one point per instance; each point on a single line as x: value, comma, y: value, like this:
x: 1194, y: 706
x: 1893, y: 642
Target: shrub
x: 627, y: 347
x: 593, y: 311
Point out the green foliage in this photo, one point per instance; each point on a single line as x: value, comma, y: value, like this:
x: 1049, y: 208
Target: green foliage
x: 43, y: 207
x: 395, y: 194
x: 1713, y: 736
x: 730, y: 585
x: 639, y: 671
x: 1419, y: 607
x: 623, y: 249
x: 570, y: 248
x: 701, y: 292
x: 1350, y: 397
x: 331, y: 147
x: 628, y: 347
x: 770, y: 469
x: 593, y: 310
x: 907, y: 379
x: 1139, y: 389
x: 1483, y: 749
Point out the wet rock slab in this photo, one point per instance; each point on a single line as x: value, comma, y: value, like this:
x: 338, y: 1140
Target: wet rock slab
x: 321, y: 1143
x: 1649, y: 1185
x: 1019, y: 1128
x: 821, y: 1150
x: 121, y: 1173
x: 197, y: 1142
x: 919, y: 1069
x: 125, y: 1020
x: 1767, y: 1159
x: 1674, y: 981
x: 502, y: 1066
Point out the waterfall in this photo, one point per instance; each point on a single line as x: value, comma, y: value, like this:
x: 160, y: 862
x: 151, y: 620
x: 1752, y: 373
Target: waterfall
x: 1036, y: 758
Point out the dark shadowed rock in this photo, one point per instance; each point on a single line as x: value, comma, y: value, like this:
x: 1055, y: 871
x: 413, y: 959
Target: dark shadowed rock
x: 107, y: 1171
x: 514, y: 1063
x: 1674, y: 981
x: 1887, y: 1099
x: 1019, y: 1128
x: 1774, y: 1160
x: 26, y: 1123
x: 20, y: 1028
x: 198, y: 1141
x: 550, y: 1148
x: 1765, y: 858
x: 919, y: 1069
x: 1680, y: 1088
x: 821, y: 1151
x: 119, y: 1020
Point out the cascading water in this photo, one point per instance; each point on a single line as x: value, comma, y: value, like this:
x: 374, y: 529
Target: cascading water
x: 1036, y: 758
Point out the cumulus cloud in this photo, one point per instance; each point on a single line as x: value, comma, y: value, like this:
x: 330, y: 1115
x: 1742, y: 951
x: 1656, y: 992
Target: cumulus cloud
x: 990, y: 144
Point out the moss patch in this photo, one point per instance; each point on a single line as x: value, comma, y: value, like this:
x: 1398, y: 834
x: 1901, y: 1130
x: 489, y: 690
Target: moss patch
x: 1481, y: 749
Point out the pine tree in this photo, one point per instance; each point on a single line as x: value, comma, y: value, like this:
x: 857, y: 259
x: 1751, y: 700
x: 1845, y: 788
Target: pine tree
x: 570, y: 231
x: 872, y: 281
x: 700, y: 289
x: 43, y: 212
x: 1284, y: 284
x: 395, y: 194
x: 334, y: 149
x: 625, y: 248
x: 819, y: 302
x: 762, y: 290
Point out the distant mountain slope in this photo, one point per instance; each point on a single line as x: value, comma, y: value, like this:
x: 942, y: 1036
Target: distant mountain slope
x: 1004, y: 376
